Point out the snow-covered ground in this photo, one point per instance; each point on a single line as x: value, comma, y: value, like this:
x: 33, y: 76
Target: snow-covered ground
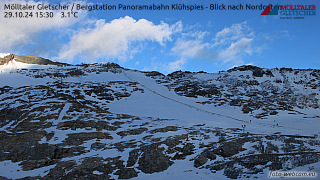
x: 117, y: 107
x: 159, y: 102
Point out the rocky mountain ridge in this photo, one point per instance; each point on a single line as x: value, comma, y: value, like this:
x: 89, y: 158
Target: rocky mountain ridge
x: 102, y: 121
x: 7, y: 57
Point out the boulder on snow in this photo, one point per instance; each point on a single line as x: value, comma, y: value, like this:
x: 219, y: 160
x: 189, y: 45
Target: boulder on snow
x: 153, y: 160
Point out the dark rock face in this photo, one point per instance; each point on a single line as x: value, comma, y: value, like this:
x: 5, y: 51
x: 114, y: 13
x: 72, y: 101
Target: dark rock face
x: 283, y: 69
x: 165, y: 129
x: 25, y: 148
x: 9, y: 114
x: 74, y: 124
x: 232, y: 147
x: 76, y: 72
x: 69, y: 169
x: 78, y: 138
x: 126, y: 173
x: 97, y: 145
x: 232, y: 172
x: 132, y: 132
x: 154, y: 73
x: 256, y: 71
x: 269, y: 73
x: 60, y: 170
x: 153, y: 160
x: 195, y: 89
x: 8, y: 143
x: 112, y: 65
x: 133, y: 157
x: 245, y: 68
x: 201, y: 160
x: 187, y: 149
x: 179, y: 74
x: 210, y: 155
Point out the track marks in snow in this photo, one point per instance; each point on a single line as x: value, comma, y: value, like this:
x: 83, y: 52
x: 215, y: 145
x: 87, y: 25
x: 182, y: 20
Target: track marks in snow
x: 185, y: 104
x: 131, y: 78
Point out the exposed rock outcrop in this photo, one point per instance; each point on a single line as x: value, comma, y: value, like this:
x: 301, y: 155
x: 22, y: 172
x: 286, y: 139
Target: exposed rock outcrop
x: 35, y: 60
x: 153, y: 160
x: 28, y: 60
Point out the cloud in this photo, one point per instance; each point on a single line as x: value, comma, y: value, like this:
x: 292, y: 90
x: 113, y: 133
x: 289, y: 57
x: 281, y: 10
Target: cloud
x: 155, y: 66
x: 176, y: 65
x: 194, y: 49
x: 166, y: 67
x: 235, y: 42
x: 197, y: 34
x: 115, y: 39
x: 233, y: 33
x: 20, y: 31
x: 236, y: 49
x: 277, y: 35
x: 229, y: 45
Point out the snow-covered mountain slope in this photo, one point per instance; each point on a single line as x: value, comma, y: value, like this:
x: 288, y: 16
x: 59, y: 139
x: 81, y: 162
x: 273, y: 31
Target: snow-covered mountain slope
x: 101, y: 121
x: 3, y: 55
